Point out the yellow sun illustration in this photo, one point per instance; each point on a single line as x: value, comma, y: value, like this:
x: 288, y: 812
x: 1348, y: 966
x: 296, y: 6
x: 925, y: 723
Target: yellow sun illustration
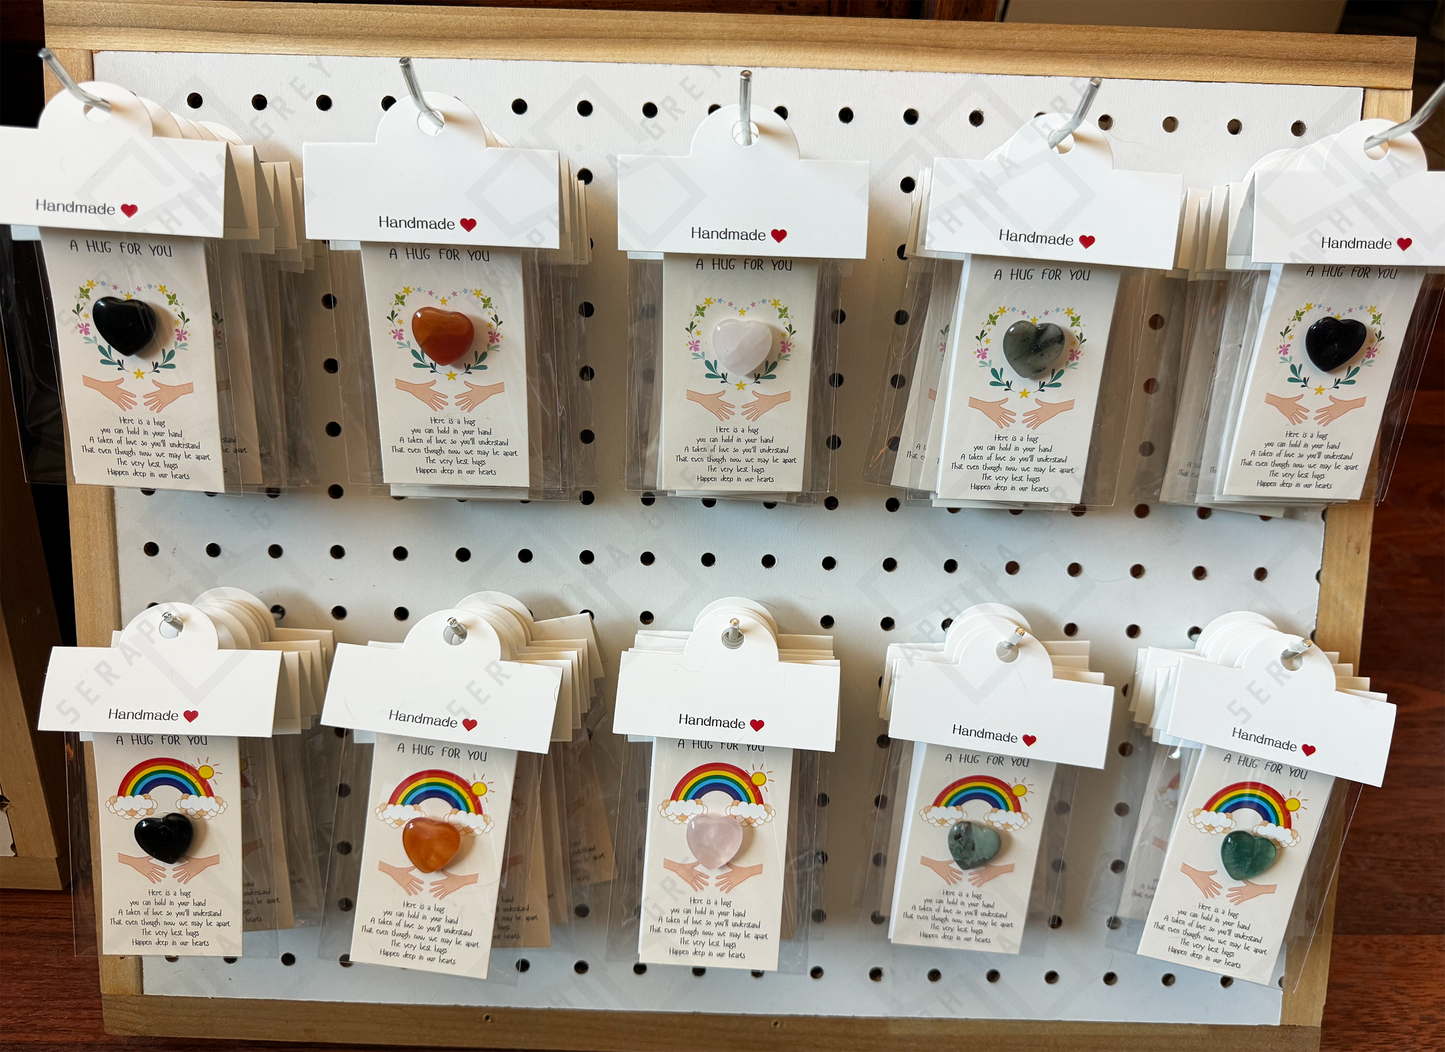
x: 206, y: 771
x: 759, y: 778
x: 1021, y: 790
x: 480, y: 788
x: 1292, y: 804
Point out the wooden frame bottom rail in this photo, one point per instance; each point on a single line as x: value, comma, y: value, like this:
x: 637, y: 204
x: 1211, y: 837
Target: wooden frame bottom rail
x: 458, y: 1026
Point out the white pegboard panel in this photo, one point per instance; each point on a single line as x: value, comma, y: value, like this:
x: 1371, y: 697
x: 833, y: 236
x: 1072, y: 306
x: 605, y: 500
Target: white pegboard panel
x: 1194, y: 568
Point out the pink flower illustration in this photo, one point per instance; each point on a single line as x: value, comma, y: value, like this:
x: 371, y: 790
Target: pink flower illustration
x: 693, y: 345
x: 493, y: 337
x: 84, y: 328
x: 181, y: 334
x: 1284, y: 348
x: 397, y: 334
x: 981, y: 353
x: 786, y: 347
x: 1372, y: 352
x: 1074, y: 355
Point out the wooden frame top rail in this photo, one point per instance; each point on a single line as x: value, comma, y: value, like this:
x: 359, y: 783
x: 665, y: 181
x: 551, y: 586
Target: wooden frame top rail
x: 249, y: 27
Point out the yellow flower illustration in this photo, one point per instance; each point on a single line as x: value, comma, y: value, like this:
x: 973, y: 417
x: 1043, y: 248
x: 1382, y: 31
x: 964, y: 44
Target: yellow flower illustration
x: 163, y: 290
x: 90, y: 284
x: 1034, y: 320
x: 741, y: 385
x: 1023, y: 394
x: 477, y: 293
x: 406, y: 290
x: 1309, y: 306
x: 443, y: 301
x: 779, y: 303
x: 1320, y: 389
x: 708, y: 302
x: 451, y: 374
x: 742, y: 310
x: 140, y: 374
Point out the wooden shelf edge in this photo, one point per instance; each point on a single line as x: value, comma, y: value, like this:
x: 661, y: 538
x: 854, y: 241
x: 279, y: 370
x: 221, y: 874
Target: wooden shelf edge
x: 251, y: 27
x: 605, y: 1031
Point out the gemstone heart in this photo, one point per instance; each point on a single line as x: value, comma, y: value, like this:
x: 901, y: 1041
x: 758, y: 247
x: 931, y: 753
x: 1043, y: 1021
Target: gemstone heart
x: 778, y: 235
x: 756, y: 725
x: 741, y: 344
x: 973, y: 844
x: 1031, y: 349
x: 430, y: 843
x: 1404, y: 242
x: 165, y: 839
x: 714, y: 839
x: 1331, y: 342
x: 127, y: 325
x: 445, y: 335
x: 129, y: 210
x: 1086, y: 240
x: 1245, y: 855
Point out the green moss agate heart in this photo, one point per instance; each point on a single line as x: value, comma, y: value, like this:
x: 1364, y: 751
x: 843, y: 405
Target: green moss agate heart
x: 972, y: 844
x: 1245, y: 855
x: 1032, y: 349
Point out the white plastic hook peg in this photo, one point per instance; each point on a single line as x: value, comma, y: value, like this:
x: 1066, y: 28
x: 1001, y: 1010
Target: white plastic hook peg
x: 91, y: 99
x: 1292, y: 657
x: 409, y: 75
x: 745, y: 104
x: 1008, y: 649
x: 1066, y: 129
x: 455, y: 633
x: 171, y: 625
x: 732, y: 636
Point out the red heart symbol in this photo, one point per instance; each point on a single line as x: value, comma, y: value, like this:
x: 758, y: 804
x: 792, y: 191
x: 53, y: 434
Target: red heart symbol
x: 756, y: 725
x: 129, y: 210
x: 190, y: 715
x: 1086, y: 240
x: 1308, y: 750
x: 778, y: 235
x: 468, y: 224
x: 1404, y: 242
x: 469, y: 724
x: 1029, y: 739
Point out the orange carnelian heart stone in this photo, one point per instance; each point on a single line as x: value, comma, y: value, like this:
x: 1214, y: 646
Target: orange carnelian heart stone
x: 444, y: 335
x: 430, y: 843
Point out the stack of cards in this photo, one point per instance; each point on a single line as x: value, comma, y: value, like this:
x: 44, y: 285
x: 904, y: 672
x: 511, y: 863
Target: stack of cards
x: 171, y: 268
x: 735, y: 309
x: 496, y: 821
x: 731, y: 705
x: 1017, y: 386
x: 196, y: 837
x: 1303, y: 334
x: 1254, y: 729
x: 458, y: 299
x: 987, y: 718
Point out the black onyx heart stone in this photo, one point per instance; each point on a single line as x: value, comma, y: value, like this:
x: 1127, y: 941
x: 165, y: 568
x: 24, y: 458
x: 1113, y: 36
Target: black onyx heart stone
x: 165, y: 839
x: 1032, y: 349
x: 1331, y: 342
x: 1245, y: 855
x: 127, y: 325
x: 973, y: 845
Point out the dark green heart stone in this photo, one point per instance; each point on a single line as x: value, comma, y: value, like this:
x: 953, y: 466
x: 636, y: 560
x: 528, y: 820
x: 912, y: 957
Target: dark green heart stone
x: 972, y: 844
x: 1331, y: 342
x: 127, y: 325
x: 1245, y: 855
x: 1032, y: 349
x: 165, y: 839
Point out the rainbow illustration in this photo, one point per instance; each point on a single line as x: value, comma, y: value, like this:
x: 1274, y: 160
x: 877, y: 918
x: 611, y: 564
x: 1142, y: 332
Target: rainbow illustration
x: 451, y: 789
x: 151, y: 774
x: 1264, y: 799
x: 721, y: 778
x: 997, y: 794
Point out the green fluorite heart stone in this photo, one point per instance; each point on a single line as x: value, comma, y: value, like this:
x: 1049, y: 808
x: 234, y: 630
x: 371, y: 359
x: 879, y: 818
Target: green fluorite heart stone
x: 1032, y: 349
x: 1245, y: 855
x: 973, y: 845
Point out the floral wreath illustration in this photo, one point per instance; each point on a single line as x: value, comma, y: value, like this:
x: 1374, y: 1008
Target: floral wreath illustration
x: 1042, y: 412
x: 1005, y: 814
x: 716, y: 838
x: 713, y: 402
x: 1291, y: 408
x: 114, y: 390
x: 133, y: 802
x: 426, y: 392
x: 465, y: 818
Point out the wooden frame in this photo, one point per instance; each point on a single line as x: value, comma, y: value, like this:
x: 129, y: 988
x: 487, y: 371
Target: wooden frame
x: 1383, y: 66
x: 32, y: 764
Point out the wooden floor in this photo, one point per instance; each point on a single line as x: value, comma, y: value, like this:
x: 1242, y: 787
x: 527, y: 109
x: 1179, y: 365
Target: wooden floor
x: 1387, y: 971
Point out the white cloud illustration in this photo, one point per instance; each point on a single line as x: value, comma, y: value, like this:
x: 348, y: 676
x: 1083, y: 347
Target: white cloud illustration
x: 941, y: 816
x: 1210, y: 821
x: 680, y: 811
x: 398, y: 815
x: 750, y: 814
x: 201, y: 806
x: 472, y: 825
x: 1008, y: 820
x: 131, y: 806
x: 1281, y: 836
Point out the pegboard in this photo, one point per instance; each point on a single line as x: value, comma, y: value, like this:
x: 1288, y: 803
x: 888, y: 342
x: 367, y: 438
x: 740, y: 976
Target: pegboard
x: 365, y: 565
